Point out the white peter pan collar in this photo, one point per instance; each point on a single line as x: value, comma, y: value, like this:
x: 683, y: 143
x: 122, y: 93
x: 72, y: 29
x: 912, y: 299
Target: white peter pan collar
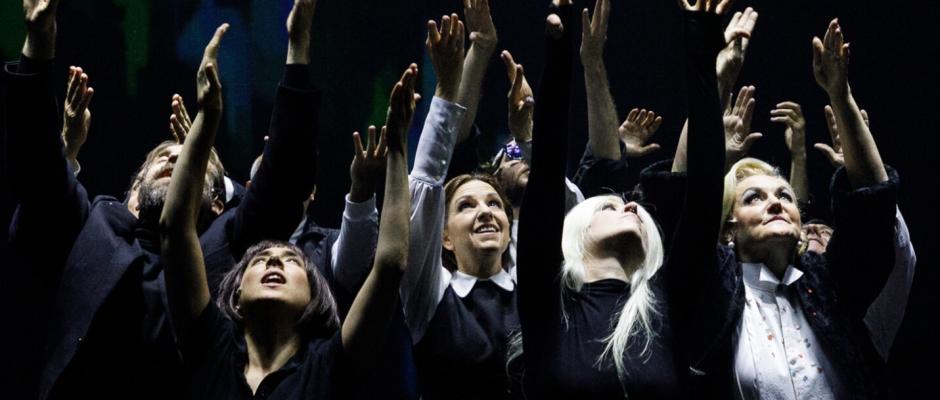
x: 463, y: 283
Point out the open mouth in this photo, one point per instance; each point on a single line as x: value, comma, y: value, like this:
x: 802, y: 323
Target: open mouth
x: 273, y: 278
x: 165, y: 173
x: 487, y: 228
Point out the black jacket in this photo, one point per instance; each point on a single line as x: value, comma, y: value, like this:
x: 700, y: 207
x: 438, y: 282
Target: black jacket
x: 100, y: 271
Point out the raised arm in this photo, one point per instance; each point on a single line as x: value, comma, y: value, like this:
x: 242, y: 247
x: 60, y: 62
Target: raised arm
x: 861, y: 252
x: 187, y: 286
x: 364, y: 330
x: 691, y: 273
x: 423, y: 283
x: 359, y: 230
x: 273, y: 205
x: 830, y: 67
x: 76, y: 116
x: 483, y: 41
x: 541, y: 218
x: 791, y: 115
x: 602, y: 114
x: 41, y: 181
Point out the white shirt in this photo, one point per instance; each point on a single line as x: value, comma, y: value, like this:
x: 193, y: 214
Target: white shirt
x: 777, y: 356
x: 886, y: 313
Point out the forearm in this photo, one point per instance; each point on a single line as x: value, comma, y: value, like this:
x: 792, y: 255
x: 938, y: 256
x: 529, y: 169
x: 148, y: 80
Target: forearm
x: 679, y: 162
x: 602, y: 114
x: 354, y: 249
x: 798, y: 178
x: 273, y: 205
x: 367, y: 321
x: 862, y: 160
x: 474, y: 70
x: 187, y: 285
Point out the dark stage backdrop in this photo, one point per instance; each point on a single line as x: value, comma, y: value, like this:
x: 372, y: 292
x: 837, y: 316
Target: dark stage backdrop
x: 138, y: 53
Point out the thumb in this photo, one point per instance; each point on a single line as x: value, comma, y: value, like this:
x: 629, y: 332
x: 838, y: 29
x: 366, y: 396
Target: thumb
x: 749, y: 141
x: 828, y: 152
x: 648, y: 149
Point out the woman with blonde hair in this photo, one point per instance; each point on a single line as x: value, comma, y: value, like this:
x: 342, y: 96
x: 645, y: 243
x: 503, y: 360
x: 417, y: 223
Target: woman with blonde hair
x: 598, y: 316
x: 775, y: 322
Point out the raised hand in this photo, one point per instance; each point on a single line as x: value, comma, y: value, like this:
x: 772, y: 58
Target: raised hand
x: 791, y: 115
x: 208, y: 85
x: 594, y: 33
x: 76, y: 116
x: 368, y: 165
x: 831, y: 61
x: 731, y: 58
x: 180, y: 123
x: 401, y: 109
x: 834, y: 152
x: 521, y: 100
x: 737, y: 121
x: 637, y: 129
x: 710, y: 6
x: 446, y: 48
x: 480, y: 23
x: 40, y: 28
x: 299, y: 22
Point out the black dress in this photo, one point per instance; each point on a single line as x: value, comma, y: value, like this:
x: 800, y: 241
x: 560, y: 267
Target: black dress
x: 468, y: 337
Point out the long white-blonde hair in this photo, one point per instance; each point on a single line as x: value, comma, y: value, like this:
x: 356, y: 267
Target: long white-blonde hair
x: 635, y: 317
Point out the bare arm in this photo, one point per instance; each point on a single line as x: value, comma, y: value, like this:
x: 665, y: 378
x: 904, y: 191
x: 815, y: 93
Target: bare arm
x: 365, y: 327
x: 790, y: 114
x: 830, y: 67
x: 602, y: 114
x: 483, y: 43
x: 187, y: 286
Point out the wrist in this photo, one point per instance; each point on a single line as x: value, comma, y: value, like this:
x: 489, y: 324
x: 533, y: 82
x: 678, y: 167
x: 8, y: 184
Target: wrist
x: 360, y: 192
x: 298, y: 53
x: 446, y: 92
x: 40, y: 45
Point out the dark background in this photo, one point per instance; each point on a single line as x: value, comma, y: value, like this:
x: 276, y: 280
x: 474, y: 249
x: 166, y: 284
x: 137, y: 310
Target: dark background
x: 138, y: 53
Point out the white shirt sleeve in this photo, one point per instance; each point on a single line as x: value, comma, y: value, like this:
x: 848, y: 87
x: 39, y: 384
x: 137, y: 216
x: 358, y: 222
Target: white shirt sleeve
x: 886, y: 313
x: 426, y: 279
x: 355, y: 247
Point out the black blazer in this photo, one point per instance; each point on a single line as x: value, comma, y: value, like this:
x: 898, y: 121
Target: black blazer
x: 91, y: 245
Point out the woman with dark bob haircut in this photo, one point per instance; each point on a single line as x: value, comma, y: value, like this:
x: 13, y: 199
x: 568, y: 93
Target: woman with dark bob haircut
x: 274, y: 333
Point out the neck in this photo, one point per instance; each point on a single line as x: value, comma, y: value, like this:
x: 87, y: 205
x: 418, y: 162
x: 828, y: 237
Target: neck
x: 481, y: 265
x: 270, y: 343
x: 596, y: 269
x: 777, y: 258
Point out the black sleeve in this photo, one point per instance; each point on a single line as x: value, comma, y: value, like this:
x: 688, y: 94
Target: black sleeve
x: 597, y: 176
x: 209, y: 340
x: 41, y: 182
x: 662, y: 193
x: 273, y: 206
x: 860, y: 255
x: 692, y: 273
x: 542, y: 214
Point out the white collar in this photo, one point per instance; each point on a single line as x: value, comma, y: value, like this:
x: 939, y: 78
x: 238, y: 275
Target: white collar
x: 463, y: 283
x: 758, y: 276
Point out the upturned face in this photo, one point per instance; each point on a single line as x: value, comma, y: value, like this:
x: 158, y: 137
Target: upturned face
x: 616, y: 228
x: 817, y: 237
x: 276, y: 275
x: 765, y: 212
x: 476, y: 220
